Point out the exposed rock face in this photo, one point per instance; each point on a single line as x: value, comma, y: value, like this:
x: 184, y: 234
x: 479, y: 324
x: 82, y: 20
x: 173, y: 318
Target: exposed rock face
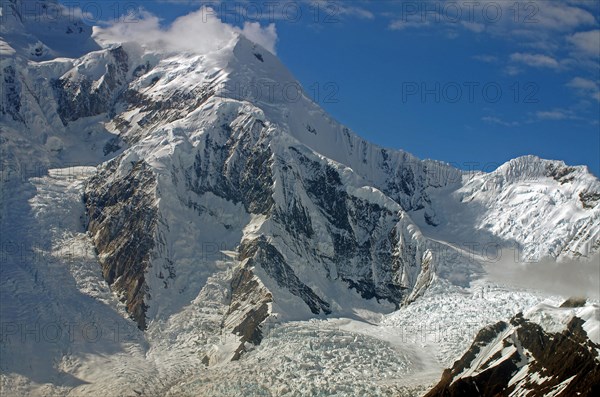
x: 263, y: 254
x: 11, y: 94
x: 235, y: 164
x: 248, y: 309
x: 589, y: 199
x: 81, y: 96
x: 521, y: 357
x: 360, y: 231
x: 122, y: 222
x: 561, y: 174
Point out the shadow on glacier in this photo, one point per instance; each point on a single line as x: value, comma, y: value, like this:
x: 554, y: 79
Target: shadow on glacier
x: 45, y: 318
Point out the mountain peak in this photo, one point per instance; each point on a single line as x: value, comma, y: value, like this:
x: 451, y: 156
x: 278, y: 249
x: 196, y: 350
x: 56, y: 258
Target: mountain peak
x: 532, y: 167
x: 43, y: 30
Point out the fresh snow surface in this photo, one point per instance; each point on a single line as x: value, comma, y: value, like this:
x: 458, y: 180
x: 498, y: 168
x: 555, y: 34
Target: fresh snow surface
x: 555, y: 319
x: 446, y: 319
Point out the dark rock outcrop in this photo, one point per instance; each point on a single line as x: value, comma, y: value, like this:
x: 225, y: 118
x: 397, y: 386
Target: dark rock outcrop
x: 589, y: 199
x: 10, y: 102
x: 83, y: 97
x: 350, y: 220
x: 122, y: 223
x: 248, y: 309
x: 260, y: 253
x: 539, y: 363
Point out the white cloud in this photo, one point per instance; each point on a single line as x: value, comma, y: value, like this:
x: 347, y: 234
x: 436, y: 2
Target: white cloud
x: 332, y: 9
x: 585, y: 87
x: 547, y: 27
x: 267, y: 36
x: 401, y: 24
x: 555, y: 114
x: 535, y: 60
x: 473, y: 26
x: 503, y: 18
x: 586, y: 42
x: 512, y: 70
x: 559, y: 16
x: 499, y: 121
x: 581, y: 83
x: 199, y: 31
x: 569, y: 277
x: 326, y: 11
x: 486, y: 58
x: 574, y: 113
x: 356, y: 12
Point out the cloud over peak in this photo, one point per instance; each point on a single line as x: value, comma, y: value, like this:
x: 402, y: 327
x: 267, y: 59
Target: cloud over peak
x: 199, y: 31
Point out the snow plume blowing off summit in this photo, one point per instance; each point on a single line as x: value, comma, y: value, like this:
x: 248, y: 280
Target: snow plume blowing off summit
x: 568, y: 277
x: 200, y: 32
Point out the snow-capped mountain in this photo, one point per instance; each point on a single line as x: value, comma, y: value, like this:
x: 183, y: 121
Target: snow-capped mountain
x: 313, y: 201
x: 43, y: 30
x: 225, y: 202
x: 547, y: 352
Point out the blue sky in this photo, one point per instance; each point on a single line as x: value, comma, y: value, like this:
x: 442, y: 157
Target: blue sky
x: 473, y: 83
